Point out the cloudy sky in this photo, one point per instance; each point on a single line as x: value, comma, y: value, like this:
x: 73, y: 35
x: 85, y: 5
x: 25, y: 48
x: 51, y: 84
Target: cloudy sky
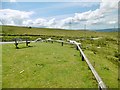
x: 65, y: 15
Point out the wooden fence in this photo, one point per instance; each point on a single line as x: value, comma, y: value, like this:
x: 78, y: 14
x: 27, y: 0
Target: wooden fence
x: 101, y: 85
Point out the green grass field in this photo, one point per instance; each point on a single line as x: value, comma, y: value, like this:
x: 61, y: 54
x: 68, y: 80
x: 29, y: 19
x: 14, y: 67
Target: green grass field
x: 9, y: 33
x: 105, y: 63
x: 51, y: 65
x: 45, y: 65
x: 13, y: 30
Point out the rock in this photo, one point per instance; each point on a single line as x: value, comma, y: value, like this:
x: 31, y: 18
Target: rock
x: 98, y: 47
x: 22, y: 71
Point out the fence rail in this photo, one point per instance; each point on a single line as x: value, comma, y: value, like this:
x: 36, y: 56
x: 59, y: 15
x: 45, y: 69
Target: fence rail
x: 101, y: 84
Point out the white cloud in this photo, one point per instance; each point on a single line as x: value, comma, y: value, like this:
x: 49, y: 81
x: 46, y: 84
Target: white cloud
x: 28, y: 22
x: 16, y: 17
x: 40, y: 22
x: 112, y: 22
x: 12, y: 0
x: 51, y: 23
x: 105, y: 7
x: 102, y: 16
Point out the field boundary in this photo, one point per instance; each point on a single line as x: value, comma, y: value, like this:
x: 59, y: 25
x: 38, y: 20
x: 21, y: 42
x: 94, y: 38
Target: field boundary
x: 101, y: 84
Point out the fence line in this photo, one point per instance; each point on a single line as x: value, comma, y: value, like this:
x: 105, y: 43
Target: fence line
x: 101, y: 84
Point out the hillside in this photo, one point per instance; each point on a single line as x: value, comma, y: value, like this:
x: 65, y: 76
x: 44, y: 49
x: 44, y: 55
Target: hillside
x: 11, y: 32
x: 47, y: 31
x: 101, y: 48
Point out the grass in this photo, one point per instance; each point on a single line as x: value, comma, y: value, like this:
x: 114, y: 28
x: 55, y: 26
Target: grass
x: 10, y: 32
x: 53, y: 32
x: 59, y: 66
x: 45, y: 65
x: 105, y: 59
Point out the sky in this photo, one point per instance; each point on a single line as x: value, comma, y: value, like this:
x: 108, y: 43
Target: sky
x: 64, y: 15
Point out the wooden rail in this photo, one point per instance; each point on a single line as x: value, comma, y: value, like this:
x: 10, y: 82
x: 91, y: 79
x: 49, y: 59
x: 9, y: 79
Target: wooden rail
x: 101, y: 84
x: 17, y: 42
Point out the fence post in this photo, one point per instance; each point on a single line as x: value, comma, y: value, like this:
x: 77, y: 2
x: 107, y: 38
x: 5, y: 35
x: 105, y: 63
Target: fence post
x: 16, y: 44
x: 82, y: 58
x: 52, y: 41
x: 99, y: 88
x: 101, y: 85
x: 76, y: 47
x: 26, y: 42
x: 62, y: 43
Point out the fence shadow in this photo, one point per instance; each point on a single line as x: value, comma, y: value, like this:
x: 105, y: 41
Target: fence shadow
x: 24, y: 47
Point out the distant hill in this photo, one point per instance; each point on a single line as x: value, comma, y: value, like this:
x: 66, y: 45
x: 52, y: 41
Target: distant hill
x: 108, y: 30
x: 15, y: 30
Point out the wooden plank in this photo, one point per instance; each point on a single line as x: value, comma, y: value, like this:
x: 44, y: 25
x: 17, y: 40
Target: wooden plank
x: 99, y: 80
x: 101, y: 84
